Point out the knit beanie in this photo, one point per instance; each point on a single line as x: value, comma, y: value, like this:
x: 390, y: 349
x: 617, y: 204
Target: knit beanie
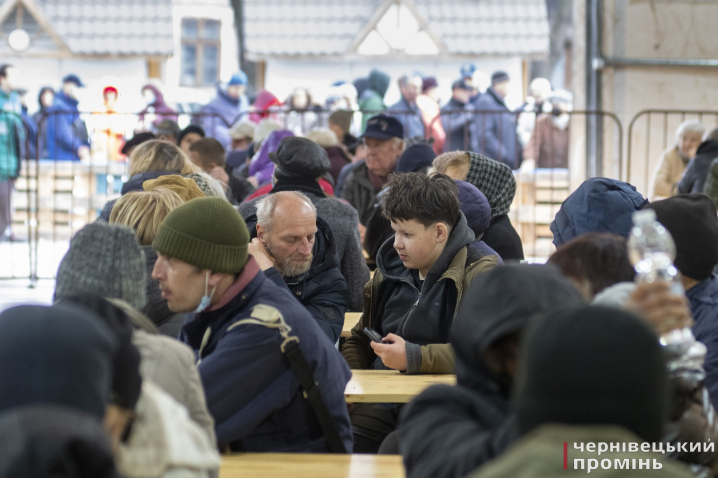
x: 190, y: 129
x: 185, y: 188
x: 105, y: 260
x: 691, y: 220
x: 592, y: 366
x: 207, y: 233
x: 242, y: 130
x: 200, y: 179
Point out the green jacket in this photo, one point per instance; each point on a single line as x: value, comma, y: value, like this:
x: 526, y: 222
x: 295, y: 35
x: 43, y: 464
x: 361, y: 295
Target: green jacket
x: 540, y: 454
x: 435, y: 358
x: 12, y: 134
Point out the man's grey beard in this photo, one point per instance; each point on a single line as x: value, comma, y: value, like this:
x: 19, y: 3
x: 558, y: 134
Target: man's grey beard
x: 289, y: 267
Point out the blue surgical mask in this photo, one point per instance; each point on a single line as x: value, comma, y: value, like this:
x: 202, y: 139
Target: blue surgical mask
x: 207, y: 299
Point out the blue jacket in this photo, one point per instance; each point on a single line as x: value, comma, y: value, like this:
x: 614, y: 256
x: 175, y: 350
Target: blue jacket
x: 598, y: 205
x: 703, y: 301
x: 412, y: 122
x: 252, y: 393
x: 494, y: 135
x: 66, y: 132
x: 221, y: 113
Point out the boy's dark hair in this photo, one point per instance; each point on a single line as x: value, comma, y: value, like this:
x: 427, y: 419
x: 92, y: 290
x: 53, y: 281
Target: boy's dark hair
x: 428, y: 199
x: 599, y: 258
x: 210, y: 153
x: 3, y: 69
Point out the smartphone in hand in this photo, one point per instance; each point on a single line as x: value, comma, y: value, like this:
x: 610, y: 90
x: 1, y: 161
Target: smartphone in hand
x: 373, y: 335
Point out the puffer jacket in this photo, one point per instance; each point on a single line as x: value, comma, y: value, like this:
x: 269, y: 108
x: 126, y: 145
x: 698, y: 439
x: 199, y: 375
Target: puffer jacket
x: 322, y: 290
x: 254, y: 396
x: 393, y: 304
x: 449, y: 431
x: 66, y: 131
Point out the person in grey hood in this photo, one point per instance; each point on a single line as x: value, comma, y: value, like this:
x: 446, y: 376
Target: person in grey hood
x: 421, y: 274
x: 449, y: 431
x: 296, y: 250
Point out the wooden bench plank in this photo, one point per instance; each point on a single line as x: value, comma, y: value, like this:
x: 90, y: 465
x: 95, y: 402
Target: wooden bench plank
x: 390, y: 386
x: 290, y: 465
x: 350, y: 320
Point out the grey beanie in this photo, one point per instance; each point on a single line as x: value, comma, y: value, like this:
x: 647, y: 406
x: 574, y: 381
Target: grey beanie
x: 103, y: 259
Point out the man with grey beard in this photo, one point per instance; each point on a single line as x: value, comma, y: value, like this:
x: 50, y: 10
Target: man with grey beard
x: 296, y: 250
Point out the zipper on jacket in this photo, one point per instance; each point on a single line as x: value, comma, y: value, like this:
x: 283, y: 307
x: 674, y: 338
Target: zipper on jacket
x: 408, y: 315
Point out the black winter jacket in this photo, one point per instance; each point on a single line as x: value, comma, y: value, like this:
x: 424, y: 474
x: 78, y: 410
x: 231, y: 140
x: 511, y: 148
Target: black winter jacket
x: 322, y: 290
x: 696, y: 173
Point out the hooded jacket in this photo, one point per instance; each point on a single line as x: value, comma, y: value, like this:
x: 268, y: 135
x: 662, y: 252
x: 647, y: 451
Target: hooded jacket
x: 494, y: 135
x: 598, y: 205
x: 263, y: 104
x: 66, y: 132
x: 424, y: 318
x: 322, y: 290
x: 46, y: 440
x: 159, y: 107
x: 695, y: 175
x: 218, y: 116
x: 252, y: 393
x: 449, y: 431
x: 13, y: 135
x: 371, y: 101
x: 343, y: 221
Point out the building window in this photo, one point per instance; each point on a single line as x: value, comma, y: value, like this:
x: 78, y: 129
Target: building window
x: 200, y: 52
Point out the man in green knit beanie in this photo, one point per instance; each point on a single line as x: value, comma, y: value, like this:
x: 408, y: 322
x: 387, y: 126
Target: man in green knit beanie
x: 237, y: 324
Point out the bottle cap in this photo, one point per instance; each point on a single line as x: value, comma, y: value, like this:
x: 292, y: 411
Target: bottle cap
x: 644, y: 215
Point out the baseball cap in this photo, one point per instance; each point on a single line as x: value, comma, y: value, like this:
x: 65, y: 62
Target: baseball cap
x: 383, y: 127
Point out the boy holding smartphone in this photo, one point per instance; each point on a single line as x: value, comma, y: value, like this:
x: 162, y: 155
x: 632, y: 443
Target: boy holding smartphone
x: 413, y: 298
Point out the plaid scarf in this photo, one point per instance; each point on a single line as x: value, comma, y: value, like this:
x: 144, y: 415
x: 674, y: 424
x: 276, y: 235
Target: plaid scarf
x: 495, y: 180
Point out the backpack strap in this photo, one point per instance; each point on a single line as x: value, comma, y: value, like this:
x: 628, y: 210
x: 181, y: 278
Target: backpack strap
x: 270, y: 317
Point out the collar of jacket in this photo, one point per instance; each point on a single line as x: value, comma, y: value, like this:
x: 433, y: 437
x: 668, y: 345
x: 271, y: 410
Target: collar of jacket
x: 62, y: 96
x: 361, y: 177
x: 232, y: 302
x: 223, y: 94
x: 490, y: 90
x: 286, y: 182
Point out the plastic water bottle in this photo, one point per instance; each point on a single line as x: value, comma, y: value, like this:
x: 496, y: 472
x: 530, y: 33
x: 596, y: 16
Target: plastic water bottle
x: 651, y: 250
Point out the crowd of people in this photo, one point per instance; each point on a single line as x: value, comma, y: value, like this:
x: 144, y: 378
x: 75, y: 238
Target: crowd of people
x: 202, y: 312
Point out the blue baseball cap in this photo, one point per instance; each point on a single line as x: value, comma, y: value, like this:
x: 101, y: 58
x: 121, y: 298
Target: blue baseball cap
x: 73, y: 78
x: 383, y: 127
x: 239, y: 78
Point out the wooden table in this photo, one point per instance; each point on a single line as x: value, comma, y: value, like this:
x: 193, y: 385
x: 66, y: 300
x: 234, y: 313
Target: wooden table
x: 389, y: 386
x: 289, y: 465
x: 350, y: 320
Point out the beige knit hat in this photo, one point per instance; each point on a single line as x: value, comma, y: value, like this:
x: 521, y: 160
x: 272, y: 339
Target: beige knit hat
x: 243, y: 130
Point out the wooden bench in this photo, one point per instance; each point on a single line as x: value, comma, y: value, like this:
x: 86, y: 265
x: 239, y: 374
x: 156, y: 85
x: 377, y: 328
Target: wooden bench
x: 389, y: 386
x: 290, y: 465
x: 350, y: 320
